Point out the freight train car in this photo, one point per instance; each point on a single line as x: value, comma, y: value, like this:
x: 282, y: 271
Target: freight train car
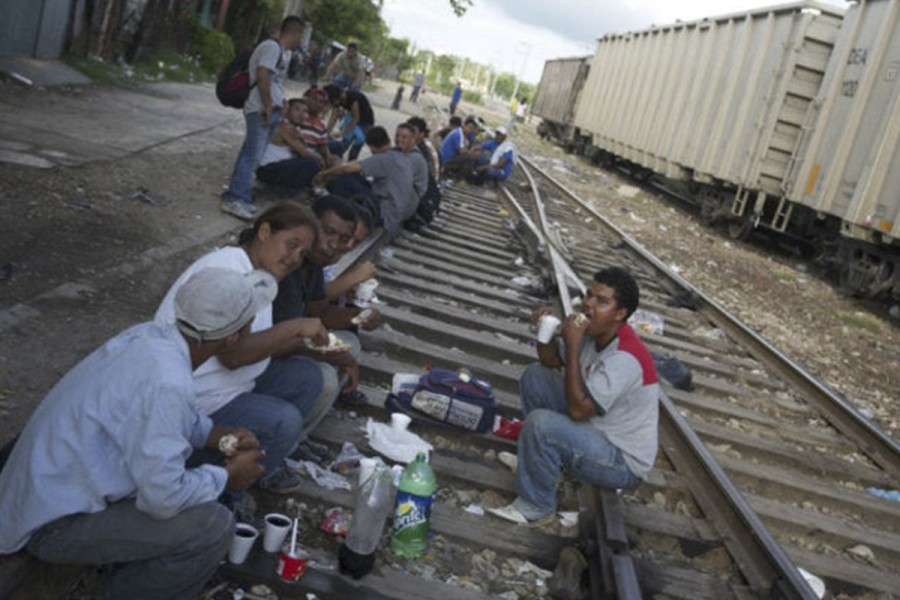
x: 784, y: 118
x: 848, y: 169
x: 557, y: 95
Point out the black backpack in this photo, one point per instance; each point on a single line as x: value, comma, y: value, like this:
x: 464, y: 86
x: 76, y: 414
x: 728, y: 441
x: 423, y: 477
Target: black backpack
x: 429, y: 203
x: 233, y: 84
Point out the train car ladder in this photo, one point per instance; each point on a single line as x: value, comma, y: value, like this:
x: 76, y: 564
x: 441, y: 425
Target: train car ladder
x: 782, y: 214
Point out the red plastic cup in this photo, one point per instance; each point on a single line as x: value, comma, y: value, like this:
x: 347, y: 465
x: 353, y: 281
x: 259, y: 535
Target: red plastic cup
x: 292, y: 567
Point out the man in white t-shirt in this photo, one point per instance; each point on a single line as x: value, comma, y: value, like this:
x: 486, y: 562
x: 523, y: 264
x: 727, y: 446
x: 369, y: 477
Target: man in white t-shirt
x: 262, y: 112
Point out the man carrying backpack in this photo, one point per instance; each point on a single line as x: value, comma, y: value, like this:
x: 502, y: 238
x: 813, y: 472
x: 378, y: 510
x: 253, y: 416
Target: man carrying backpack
x: 262, y: 112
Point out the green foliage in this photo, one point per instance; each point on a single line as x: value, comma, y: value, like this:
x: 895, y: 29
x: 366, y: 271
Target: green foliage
x: 471, y: 96
x: 505, y: 85
x: 393, y: 53
x: 860, y: 320
x: 162, y: 66
x: 213, y: 48
x: 460, y: 6
x: 346, y: 20
x: 444, y: 67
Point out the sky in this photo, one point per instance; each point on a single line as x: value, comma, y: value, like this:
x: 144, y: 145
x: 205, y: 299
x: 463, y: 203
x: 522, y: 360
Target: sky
x: 517, y: 36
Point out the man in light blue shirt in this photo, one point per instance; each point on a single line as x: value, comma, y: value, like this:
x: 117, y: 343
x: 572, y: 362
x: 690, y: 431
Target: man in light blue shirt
x: 456, y: 158
x: 99, y: 476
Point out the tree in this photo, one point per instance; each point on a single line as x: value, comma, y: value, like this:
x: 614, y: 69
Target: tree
x: 460, y: 6
x: 444, y: 66
x: 505, y: 85
x: 393, y: 55
x: 343, y: 20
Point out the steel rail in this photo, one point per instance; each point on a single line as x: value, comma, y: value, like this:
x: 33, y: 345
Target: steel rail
x: 843, y: 416
x: 765, y: 564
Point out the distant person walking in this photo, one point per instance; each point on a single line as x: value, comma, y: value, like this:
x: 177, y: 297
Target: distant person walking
x: 417, y: 87
x: 262, y: 112
x: 455, y: 98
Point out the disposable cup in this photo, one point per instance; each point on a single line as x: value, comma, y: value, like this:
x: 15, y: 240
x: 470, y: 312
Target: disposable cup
x: 292, y: 566
x: 277, y: 528
x: 547, y: 327
x: 244, y: 536
x: 366, y: 469
x: 400, y: 421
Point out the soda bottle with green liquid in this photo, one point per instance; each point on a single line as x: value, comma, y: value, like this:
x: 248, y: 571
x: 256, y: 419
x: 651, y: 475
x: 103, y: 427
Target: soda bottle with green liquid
x: 412, y: 516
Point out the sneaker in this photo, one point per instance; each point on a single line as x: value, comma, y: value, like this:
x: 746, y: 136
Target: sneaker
x: 511, y: 513
x: 304, y: 453
x: 239, y: 209
x: 282, y: 481
x: 353, y: 398
x: 509, y: 460
x: 565, y: 584
x: 320, y: 450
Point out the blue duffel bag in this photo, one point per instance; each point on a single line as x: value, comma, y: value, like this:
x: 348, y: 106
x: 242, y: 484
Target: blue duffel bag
x: 450, y: 398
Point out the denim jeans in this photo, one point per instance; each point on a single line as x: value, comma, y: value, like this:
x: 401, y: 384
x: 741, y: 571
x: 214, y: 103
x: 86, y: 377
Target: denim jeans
x: 551, y: 442
x: 169, y: 559
x: 285, y: 395
x: 255, y: 141
x: 294, y: 173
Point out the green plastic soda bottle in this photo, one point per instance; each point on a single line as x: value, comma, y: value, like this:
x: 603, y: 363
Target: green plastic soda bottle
x: 412, y: 516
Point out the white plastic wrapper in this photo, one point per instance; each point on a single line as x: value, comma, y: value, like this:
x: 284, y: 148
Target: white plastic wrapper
x: 400, y: 446
x: 646, y: 322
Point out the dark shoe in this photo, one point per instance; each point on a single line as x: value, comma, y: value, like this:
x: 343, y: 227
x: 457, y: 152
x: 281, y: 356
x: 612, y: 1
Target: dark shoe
x: 282, y: 481
x: 304, y: 453
x: 566, y: 581
x: 353, y: 398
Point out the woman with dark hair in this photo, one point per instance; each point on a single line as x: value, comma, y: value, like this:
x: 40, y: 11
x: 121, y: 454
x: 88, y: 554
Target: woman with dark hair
x: 260, y: 385
x: 358, y: 118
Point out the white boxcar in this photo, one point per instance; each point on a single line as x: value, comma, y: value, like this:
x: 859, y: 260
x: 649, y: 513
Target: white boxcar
x: 558, y: 91
x: 850, y: 160
x: 721, y: 100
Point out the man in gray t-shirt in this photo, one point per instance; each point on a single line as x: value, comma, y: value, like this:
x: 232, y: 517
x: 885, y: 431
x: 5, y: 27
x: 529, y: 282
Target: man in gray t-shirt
x: 385, y: 177
x: 262, y: 112
x: 591, y: 403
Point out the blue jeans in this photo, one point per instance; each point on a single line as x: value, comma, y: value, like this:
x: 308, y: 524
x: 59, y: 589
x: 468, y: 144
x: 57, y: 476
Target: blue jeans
x: 285, y: 394
x: 168, y: 559
x: 294, y: 173
x: 255, y: 142
x: 551, y: 442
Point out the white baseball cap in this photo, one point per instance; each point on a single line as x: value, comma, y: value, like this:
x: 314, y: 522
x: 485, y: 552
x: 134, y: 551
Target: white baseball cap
x: 217, y: 302
x: 500, y: 131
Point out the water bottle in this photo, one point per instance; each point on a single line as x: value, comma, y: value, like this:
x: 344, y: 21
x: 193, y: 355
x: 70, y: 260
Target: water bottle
x: 412, y: 516
x: 356, y: 556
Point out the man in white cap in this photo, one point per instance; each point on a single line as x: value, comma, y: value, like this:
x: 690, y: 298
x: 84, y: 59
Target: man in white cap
x: 498, y: 155
x: 99, y: 476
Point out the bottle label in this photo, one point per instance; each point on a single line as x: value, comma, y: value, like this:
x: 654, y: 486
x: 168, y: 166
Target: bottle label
x: 412, y: 511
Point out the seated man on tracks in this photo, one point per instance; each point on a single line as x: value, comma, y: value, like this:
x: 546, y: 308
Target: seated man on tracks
x: 302, y: 294
x: 456, y: 156
x: 391, y: 192
x: 498, y: 156
x: 99, y: 473
x: 287, y: 160
x: 591, y: 404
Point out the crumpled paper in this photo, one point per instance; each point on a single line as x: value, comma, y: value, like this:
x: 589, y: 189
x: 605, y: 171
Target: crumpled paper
x: 322, y: 477
x: 400, y: 446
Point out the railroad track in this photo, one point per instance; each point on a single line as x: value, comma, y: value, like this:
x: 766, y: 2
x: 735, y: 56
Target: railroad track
x: 449, y: 300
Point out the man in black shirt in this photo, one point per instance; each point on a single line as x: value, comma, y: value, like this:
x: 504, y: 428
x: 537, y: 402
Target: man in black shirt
x: 358, y: 118
x: 302, y: 294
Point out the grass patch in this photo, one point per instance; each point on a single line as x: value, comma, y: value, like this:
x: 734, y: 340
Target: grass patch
x: 785, y: 276
x: 861, y: 321
x: 164, y: 66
